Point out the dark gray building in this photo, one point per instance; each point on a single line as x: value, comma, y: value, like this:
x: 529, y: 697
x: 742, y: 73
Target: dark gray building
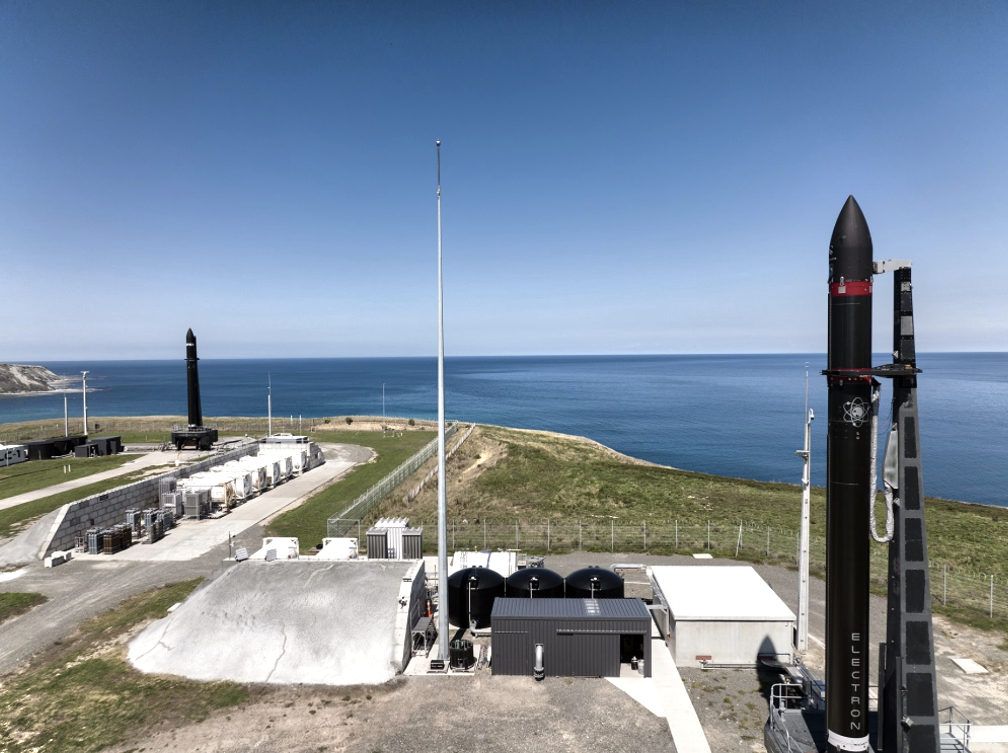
x: 580, y: 637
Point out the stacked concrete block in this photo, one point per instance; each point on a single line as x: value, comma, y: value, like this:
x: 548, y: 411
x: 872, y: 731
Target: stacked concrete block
x: 109, y: 509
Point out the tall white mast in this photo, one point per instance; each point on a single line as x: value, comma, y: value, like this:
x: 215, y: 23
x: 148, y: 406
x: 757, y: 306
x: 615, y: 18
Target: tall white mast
x: 803, y: 566
x: 442, y: 496
x: 269, y: 404
x: 84, y: 393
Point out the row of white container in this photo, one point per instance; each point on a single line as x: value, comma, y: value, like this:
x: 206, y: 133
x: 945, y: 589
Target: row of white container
x: 234, y: 482
x: 289, y: 548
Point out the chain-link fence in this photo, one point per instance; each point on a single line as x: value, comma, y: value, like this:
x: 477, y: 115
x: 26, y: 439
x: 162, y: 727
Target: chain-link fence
x: 977, y: 593
x: 339, y: 524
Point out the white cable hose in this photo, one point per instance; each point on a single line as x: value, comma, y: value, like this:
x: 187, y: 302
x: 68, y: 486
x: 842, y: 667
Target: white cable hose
x: 873, y: 487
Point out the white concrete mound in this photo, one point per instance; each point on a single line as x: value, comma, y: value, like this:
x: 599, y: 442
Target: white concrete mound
x: 325, y: 623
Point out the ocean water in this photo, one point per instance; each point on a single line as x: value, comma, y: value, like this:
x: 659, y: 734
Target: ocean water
x: 732, y: 415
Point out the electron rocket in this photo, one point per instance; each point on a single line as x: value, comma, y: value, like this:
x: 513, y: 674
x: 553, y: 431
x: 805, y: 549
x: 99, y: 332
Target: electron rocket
x: 848, y: 481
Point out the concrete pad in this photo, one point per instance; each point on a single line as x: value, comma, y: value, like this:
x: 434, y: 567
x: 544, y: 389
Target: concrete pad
x: 24, y: 547
x: 324, y: 623
x: 687, y: 733
x: 968, y: 666
x: 988, y: 733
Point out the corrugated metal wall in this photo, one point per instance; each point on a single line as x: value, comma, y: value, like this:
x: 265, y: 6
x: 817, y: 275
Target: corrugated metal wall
x: 573, y: 646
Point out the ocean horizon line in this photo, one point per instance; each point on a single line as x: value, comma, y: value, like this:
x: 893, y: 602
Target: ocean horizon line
x: 775, y: 354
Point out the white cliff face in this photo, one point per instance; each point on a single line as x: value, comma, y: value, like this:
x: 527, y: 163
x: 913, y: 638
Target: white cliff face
x: 16, y: 378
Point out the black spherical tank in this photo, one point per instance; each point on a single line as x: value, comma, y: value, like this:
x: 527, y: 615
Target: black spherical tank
x: 594, y: 583
x: 471, y: 594
x: 535, y: 583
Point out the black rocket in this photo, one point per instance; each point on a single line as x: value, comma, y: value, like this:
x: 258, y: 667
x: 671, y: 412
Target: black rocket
x: 907, y: 716
x: 192, y: 381
x: 195, y: 434
x: 848, y: 480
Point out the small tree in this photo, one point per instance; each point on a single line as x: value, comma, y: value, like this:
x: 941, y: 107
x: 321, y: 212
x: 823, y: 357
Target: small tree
x: 349, y: 420
x: 412, y: 422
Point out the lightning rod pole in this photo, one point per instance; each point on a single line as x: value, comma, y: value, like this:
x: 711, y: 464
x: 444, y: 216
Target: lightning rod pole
x: 442, y: 496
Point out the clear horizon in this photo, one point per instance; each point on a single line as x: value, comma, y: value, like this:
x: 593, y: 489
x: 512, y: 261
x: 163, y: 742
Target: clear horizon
x: 635, y: 179
x: 880, y: 355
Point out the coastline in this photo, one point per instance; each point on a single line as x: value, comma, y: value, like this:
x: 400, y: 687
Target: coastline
x: 238, y: 425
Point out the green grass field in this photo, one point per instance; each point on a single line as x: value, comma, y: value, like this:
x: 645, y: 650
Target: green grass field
x: 308, y: 522
x: 13, y: 604
x: 40, y: 474
x: 82, y: 695
x: 14, y: 519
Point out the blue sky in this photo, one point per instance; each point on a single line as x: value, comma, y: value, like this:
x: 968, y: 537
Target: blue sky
x: 617, y: 177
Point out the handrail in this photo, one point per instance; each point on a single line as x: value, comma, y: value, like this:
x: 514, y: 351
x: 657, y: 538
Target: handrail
x: 955, y: 721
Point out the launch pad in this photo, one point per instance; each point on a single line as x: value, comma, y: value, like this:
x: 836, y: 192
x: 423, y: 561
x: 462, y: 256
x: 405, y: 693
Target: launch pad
x: 835, y: 716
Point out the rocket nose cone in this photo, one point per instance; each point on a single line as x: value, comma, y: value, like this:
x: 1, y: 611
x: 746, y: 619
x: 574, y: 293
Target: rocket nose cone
x: 851, y: 245
x: 190, y: 338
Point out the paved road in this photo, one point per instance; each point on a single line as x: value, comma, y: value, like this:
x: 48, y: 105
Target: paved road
x: 142, y: 461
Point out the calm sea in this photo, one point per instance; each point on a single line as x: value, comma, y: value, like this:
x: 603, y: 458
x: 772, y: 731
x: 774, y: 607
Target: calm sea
x: 736, y: 415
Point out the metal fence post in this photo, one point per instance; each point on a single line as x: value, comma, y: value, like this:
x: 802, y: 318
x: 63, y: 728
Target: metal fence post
x: 944, y: 584
x: 677, y: 533
x: 516, y: 534
x: 768, y: 542
x: 453, y: 534
x: 612, y: 535
x: 708, y: 535
x: 992, y: 598
x: 645, y: 534
x: 484, y: 533
x: 579, y: 534
x: 547, y: 534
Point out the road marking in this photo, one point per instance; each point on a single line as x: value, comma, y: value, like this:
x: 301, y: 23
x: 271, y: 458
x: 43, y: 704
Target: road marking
x: 813, y: 638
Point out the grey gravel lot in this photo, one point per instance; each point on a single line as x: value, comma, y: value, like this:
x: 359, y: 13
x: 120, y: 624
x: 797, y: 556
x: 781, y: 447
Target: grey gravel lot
x: 419, y: 715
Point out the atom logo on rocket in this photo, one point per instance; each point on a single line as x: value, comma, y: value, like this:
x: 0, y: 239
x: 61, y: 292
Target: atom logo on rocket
x: 855, y: 412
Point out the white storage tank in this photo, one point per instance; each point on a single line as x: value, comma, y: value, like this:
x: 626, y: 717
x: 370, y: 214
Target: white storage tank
x: 503, y: 563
